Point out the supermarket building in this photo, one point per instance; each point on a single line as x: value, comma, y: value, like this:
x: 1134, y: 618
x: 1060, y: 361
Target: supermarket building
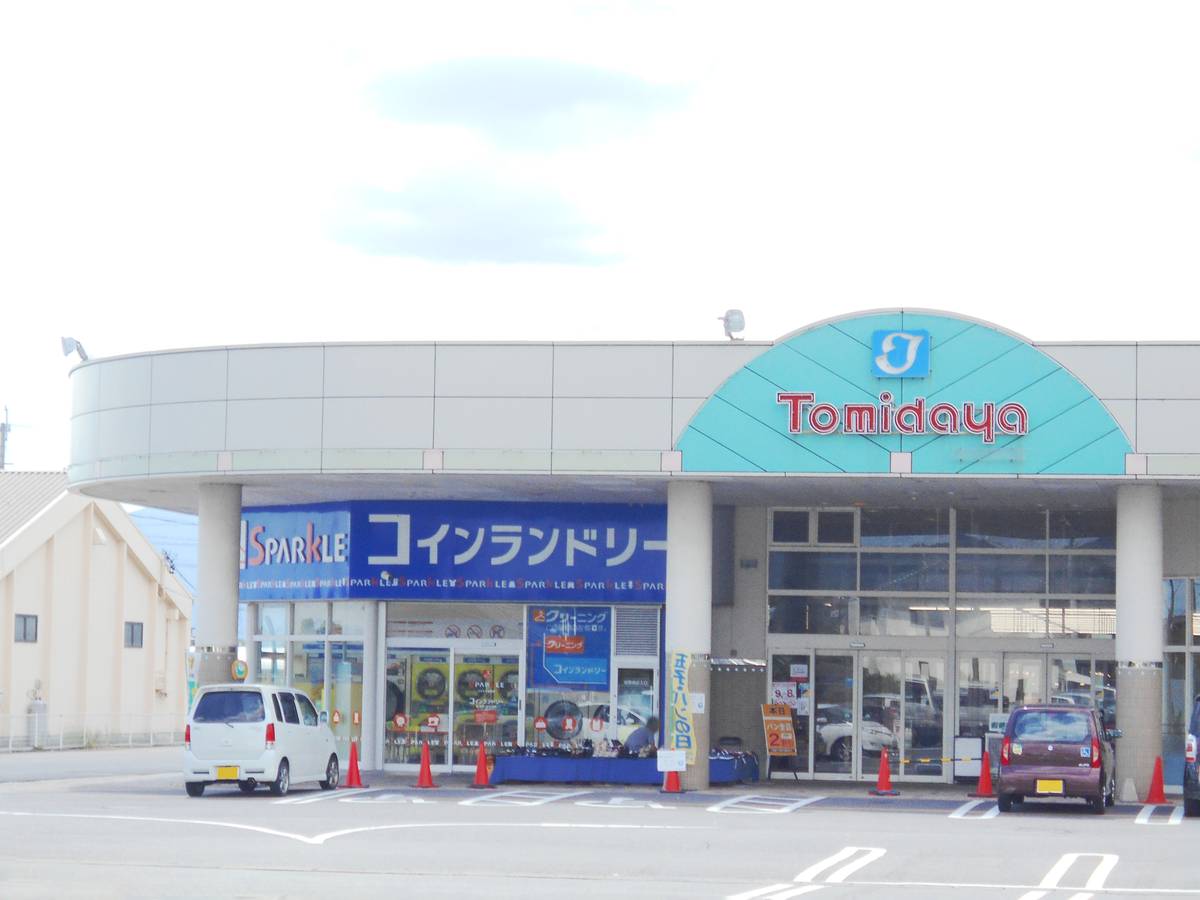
x: 900, y: 523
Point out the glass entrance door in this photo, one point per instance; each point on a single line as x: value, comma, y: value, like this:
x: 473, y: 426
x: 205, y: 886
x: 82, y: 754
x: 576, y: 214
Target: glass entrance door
x: 848, y: 707
x: 487, y: 704
x: 417, y: 705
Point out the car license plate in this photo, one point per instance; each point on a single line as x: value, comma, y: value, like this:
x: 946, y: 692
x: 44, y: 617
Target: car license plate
x: 230, y: 773
x: 1049, y: 786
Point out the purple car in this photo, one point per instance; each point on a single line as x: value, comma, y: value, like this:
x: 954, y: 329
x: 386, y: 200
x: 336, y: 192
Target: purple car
x: 1057, y: 751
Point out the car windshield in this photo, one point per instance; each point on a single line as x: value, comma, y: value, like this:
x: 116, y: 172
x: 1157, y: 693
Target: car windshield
x: 1064, y: 726
x: 230, y: 706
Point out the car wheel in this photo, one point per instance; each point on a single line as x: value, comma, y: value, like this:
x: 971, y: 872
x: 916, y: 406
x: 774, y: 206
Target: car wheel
x: 333, y: 774
x: 1191, y: 808
x: 842, y: 750
x: 1005, y: 803
x: 194, y: 788
x: 1110, y: 798
x: 283, y: 781
x: 247, y: 787
x: 1098, y: 805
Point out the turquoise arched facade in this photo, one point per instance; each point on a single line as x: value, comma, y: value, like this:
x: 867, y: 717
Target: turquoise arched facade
x: 744, y: 428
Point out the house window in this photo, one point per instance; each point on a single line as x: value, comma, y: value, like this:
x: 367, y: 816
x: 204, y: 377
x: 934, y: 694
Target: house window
x: 133, y: 634
x: 26, y: 629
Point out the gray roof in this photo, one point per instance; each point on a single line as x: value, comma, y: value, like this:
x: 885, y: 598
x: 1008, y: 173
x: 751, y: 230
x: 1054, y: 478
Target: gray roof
x: 25, y: 494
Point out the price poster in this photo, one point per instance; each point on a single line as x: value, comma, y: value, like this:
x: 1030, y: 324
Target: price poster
x: 778, y: 730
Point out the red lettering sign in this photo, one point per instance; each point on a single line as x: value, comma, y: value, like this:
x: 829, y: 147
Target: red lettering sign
x: 567, y: 644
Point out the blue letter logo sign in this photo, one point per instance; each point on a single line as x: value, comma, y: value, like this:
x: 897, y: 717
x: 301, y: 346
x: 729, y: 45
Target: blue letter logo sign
x: 900, y: 354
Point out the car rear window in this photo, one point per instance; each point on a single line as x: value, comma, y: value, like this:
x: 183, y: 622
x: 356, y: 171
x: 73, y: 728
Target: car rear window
x: 230, y: 706
x: 1064, y: 726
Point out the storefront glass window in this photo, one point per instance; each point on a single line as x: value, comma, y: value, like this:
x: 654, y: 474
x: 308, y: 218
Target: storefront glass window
x: 910, y: 618
x: 978, y: 693
x: 1001, y: 529
x: 309, y: 618
x: 272, y: 618
x: 1175, y: 610
x: 1000, y: 573
x: 569, y: 659
x: 924, y: 698
x: 1023, y: 680
x: 1083, y: 529
x: 808, y: 615
x: 345, y: 684
x: 835, y: 527
x: 635, y: 700
x: 789, y: 526
x: 1082, y: 618
x: 828, y: 571
x: 905, y: 572
x: 272, y: 662
x: 308, y: 670
x: 1175, y: 711
x: 1083, y: 574
x: 350, y: 618
x: 904, y: 528
x: 566, y: 717
x: 999, y: 617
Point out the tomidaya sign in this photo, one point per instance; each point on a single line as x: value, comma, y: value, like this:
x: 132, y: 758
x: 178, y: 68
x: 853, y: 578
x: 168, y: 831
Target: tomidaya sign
x: 958, y: 395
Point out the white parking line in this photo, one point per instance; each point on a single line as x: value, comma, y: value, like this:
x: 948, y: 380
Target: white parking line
x: 1106, y: 863
x: 776, y: 892
x: 522, y: 798
x: 1143, y: 817
x: 302, y: 799
x: 961, y: 812
x: 869, y: 855
x: 757, y: 803
x: 319, y: 839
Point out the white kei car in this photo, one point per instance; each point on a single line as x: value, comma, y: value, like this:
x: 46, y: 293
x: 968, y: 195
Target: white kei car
x: 250, y: 734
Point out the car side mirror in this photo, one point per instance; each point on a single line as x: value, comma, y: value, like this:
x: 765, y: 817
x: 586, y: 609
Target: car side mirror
x: 1114, y: 733
x: 323, y: 717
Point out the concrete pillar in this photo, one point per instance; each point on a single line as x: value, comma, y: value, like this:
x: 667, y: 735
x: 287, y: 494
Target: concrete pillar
x: 1139, y: 641
x: 216, y: 608
x: 689, y: 604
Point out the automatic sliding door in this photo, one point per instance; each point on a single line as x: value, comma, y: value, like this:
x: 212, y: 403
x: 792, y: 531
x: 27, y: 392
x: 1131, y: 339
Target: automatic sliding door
x: 417, y: 706
x: 880, y: 721
x: 924, y: 711
x: 833, y: 713
x: 791, y: 686
x: 486, y: 704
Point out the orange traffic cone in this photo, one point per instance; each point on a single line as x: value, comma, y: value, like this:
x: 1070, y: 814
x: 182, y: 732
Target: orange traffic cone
x: 985, y: 778
x: 353, y: 778
x: 425, y: 779
x: 671, y: 784
x: 481, y: 769
x: 1155, y: 794
x: 883, y: 786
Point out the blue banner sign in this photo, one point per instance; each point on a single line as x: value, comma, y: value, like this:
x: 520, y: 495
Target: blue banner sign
x: 452, y: 550
x: 569, y: 646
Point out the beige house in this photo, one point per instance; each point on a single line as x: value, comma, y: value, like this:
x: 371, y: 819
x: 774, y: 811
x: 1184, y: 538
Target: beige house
x: 93, y: 624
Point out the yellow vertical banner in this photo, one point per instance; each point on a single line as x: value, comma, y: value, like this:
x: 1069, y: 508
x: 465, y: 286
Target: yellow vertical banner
x: 681, y: 727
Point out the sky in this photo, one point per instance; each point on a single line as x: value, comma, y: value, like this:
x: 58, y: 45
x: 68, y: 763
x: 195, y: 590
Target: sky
x: 185, y: 174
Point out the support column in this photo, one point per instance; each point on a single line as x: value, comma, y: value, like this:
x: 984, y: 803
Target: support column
x: 689, y: 607
x: 216, y: 608
x: 1139, y: 642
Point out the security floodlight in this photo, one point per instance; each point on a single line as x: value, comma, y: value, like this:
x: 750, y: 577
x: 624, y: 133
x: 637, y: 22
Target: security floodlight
x: 70, y: 345
x: 734, y: 322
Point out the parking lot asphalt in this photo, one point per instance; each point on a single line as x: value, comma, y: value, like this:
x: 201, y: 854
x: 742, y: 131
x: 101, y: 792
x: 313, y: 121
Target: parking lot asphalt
x: 142, y: 837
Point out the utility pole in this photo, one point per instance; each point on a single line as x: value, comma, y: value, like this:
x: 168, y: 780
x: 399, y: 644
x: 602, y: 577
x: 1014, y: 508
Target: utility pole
x: 5, y: 428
